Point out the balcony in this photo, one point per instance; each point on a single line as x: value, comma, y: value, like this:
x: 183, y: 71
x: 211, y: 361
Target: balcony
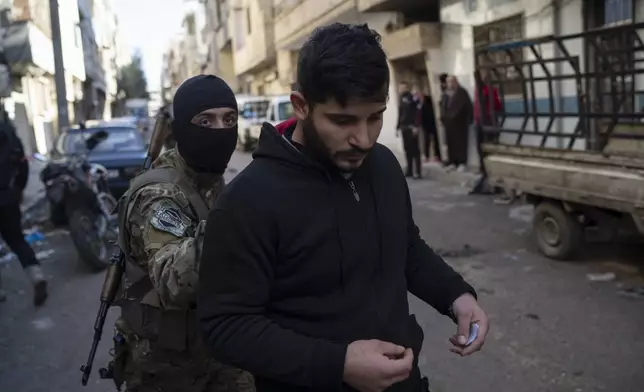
x: 394, y: 5
x: 411, y: 40
x: 296, y: 19
x: 223, y: 38
x: 253, y: 49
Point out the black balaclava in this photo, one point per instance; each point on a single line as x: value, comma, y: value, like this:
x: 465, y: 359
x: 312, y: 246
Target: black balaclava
x: 204, y: 149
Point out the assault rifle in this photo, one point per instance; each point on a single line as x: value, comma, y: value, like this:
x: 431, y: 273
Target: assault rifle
x: 116, y: 268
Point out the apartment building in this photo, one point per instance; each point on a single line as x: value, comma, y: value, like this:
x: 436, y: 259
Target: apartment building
x: 217, y: 36
x: 253, y: 47
x: 28, y: 51
x: 467, y: 24
x: 105, y: 24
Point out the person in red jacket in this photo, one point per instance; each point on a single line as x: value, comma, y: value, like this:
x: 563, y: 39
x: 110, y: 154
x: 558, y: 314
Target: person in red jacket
x: 492, y: 108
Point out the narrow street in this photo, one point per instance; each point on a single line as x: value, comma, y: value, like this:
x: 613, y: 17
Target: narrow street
x: 553, y: 329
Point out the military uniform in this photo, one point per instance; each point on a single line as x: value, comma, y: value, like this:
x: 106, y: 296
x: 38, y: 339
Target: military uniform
x: 158, y: 344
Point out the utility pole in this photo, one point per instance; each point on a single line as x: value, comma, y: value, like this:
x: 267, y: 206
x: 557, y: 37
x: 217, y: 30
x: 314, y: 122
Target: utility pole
x: 59, y: 67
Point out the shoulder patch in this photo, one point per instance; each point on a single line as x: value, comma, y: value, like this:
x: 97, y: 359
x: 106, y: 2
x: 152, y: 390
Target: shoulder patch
x: 169, y: 218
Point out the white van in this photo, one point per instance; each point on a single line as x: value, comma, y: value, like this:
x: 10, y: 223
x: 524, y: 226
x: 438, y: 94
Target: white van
x: 252, y: 110
x: 279, y: 109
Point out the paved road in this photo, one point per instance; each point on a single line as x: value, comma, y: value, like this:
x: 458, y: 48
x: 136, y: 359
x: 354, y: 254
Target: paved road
x: 553, y: 329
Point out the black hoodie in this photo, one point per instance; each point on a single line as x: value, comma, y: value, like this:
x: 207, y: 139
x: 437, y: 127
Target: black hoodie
x: 298, y: 262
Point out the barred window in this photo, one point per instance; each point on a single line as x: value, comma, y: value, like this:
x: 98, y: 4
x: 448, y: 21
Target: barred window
x: 505, y: 30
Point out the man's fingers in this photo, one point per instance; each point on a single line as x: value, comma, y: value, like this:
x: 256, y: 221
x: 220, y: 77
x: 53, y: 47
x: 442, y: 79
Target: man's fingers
x: 463, y: 329
x: 399, y: 369
x: 474, y: 347
x: 389, y: 349
x: 477, y: 344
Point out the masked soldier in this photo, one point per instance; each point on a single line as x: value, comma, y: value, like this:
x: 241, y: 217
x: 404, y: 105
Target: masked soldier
x: 162, y: 218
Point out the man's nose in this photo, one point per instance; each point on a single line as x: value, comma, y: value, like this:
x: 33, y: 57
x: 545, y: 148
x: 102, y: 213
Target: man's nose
x: 360, y: 137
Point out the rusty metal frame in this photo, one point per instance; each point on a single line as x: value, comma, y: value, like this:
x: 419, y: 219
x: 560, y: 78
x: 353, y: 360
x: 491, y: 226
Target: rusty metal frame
x: 608, y: 43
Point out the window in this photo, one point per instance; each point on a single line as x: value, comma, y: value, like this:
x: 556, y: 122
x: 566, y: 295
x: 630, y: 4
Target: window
x: 220, y: 19
x: 255, y: 110
x: 78, y: 38
x: 505, y: 30
x: 239, y: 37
x: 119, y: 139
x: 284, y: 111
x: 248, y: 24
x: 618, y: 11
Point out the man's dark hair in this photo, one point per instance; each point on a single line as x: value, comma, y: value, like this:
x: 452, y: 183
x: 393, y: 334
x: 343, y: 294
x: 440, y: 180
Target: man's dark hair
x: 343, y: 62
x: 443, y: 77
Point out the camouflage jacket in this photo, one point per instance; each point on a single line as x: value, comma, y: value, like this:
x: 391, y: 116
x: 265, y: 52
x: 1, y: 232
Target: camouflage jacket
x: 168, y: 249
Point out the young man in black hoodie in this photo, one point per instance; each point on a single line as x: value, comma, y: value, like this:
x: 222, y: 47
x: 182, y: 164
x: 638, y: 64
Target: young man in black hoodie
x: 310, y: 251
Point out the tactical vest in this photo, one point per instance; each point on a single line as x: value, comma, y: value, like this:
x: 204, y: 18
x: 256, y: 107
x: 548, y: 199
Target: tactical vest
x: 169, y: 328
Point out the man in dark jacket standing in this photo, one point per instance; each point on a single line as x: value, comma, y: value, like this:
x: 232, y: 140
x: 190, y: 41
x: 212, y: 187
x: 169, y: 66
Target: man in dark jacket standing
x: 14, y: 173
x: 428, y: 124
x: 309, y: 253
x: 408, y: 125
x: 457, y: 117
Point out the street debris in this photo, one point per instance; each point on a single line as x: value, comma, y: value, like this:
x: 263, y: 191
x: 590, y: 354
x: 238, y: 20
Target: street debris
x: 601, y: 277
x: 465, y: 251
x: 532, y: 316
x: 43, y: 254
x: 43, y: 324
x: 633, y: 292
x: 522, y: 213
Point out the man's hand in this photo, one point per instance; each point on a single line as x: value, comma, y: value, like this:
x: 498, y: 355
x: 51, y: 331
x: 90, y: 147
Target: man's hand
x: 467, y: 311
x: 374, y: 365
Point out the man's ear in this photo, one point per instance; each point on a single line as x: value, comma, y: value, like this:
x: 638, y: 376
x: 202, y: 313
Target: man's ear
x: 300, y: 106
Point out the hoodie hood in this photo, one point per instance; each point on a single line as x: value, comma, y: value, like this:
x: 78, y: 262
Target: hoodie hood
x: 284, y: 125
x: 273, y: 144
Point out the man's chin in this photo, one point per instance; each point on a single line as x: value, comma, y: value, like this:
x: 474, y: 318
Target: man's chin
x: 349, y: 165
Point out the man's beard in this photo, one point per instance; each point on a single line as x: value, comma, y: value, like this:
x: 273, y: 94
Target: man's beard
x: 321, y: 152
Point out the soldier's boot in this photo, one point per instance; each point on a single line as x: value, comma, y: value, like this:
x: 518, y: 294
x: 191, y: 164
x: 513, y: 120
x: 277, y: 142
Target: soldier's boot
x: 37, y: 278
x: 3, y: 294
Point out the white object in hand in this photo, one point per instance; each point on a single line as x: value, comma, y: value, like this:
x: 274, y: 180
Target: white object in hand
x: 474, y: 333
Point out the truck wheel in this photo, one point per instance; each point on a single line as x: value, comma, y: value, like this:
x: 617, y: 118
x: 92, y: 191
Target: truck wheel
x: 559, y: 234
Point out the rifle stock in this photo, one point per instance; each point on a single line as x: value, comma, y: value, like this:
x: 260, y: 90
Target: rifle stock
x: 114, y: 273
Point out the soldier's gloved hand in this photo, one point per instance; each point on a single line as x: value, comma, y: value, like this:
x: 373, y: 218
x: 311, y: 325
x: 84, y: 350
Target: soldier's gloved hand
x: 199, y: 234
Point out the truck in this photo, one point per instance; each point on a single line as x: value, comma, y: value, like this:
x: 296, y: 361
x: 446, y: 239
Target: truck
x: 271, y: 109
x: 570, y: 140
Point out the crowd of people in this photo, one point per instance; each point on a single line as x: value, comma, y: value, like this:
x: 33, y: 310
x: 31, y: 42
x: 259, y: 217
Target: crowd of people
x: 417, y: 124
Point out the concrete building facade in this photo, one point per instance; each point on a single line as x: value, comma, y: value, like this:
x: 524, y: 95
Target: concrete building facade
x: 422, y: 39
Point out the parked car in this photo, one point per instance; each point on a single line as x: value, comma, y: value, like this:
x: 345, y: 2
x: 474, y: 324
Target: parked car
x: 252, y: 111
x: 279, y: 110
x: 122, y: 153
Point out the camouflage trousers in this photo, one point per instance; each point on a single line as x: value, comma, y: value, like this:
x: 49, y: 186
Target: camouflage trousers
x: 150, y: 369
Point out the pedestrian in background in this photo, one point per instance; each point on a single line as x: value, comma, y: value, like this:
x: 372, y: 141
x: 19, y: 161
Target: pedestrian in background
x: 457, y: 118
x: 310, y: 252
x: 158, y: 346
x: 14, y: 174
x: 428, y: 125
x: 408, y: 126
x: 487, y: 109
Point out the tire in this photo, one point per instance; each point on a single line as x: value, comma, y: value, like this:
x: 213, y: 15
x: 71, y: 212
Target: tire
x: 559, y: 234
x: 77, y: 224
